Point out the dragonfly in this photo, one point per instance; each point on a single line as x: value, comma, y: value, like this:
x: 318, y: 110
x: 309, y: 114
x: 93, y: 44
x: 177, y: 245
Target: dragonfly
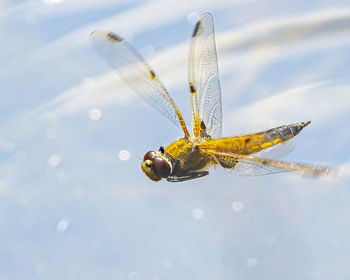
x: 192, y: 157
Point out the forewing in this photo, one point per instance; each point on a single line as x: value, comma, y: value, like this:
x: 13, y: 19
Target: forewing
x: 204, y: 76
x: 137, y: 74
x: 245, y: 165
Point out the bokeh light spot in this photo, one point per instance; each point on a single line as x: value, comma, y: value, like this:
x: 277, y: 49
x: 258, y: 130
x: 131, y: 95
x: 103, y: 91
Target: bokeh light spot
x: 251, y: 262
x: 54, y: 160
x: 95, y: 114
x: 197, y: 213
x: 237, y: 206
x: 124, y: 155
x: 63, y: 224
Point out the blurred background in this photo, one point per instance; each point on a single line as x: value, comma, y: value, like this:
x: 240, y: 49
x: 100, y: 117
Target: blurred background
x: 74, y: 203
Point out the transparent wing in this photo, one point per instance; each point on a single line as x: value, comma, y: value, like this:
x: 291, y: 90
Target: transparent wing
x: 137, y: 74
x: 278, y: 151
x: 204, y: 78
x: 245, y: 165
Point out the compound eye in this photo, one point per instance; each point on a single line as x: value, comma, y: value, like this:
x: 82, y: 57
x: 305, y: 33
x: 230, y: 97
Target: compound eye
x: 161, y: 167
x: 149, y: 156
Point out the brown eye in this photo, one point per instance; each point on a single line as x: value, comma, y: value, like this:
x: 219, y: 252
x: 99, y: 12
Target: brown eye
x: 161, y: 167
x: 149, y: 156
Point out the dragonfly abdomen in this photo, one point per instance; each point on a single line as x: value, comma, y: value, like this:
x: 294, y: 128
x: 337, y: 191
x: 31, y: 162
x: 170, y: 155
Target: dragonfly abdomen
x: 275, y: 135
x: 284, y: 132
x: 251, y: 143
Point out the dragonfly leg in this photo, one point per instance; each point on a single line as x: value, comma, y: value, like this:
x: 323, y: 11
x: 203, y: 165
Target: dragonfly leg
x: 188, y: 176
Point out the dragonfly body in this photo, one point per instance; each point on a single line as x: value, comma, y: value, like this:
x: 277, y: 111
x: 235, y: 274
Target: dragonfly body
x: 191, y: 157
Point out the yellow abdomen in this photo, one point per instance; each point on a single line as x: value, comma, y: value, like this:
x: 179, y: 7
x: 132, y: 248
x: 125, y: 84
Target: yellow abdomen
x: 252, y: 143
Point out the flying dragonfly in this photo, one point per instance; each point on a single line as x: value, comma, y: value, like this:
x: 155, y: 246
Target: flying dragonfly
x: 191, y: 157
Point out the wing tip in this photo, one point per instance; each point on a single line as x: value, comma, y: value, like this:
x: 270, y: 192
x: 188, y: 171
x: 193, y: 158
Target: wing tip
x: 340, y: 171
x: 205, y: 16
x: 108, y: 35
x: 326, y: 173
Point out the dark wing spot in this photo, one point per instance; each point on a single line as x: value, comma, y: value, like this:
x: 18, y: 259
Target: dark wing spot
x: 113, y: 37
x: 203, y: 127
x: 152, y: 74
x: 195, y: 31
x: 264, y: 162
x: 247, y: 140
x: 192, y: 88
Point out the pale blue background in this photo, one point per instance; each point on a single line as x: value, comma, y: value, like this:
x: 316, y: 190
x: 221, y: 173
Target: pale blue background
x: 71, y: 209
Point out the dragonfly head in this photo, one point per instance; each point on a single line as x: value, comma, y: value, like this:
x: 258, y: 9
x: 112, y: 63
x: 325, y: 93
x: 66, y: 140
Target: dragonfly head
x: 156, y: 166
